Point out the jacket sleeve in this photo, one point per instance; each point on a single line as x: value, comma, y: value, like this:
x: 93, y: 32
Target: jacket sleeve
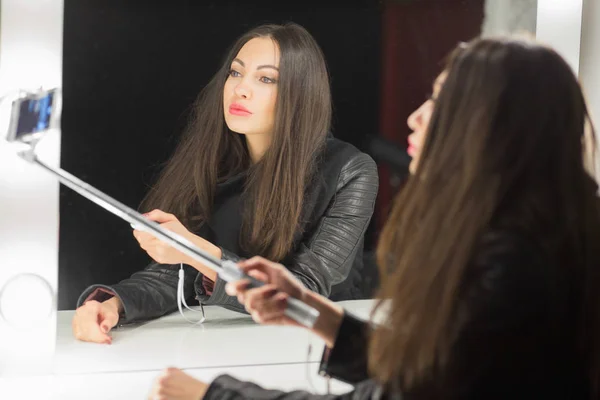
x: 324, y: 258
x: 347, y: 360
x: 226, y: 387
x: 150, y: 293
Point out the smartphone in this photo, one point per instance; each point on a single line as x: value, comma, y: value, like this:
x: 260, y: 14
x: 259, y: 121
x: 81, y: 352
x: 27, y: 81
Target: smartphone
x: 33, y: 114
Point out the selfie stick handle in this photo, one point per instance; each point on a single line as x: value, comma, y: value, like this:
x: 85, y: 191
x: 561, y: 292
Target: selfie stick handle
x: 227, y: 270
x: 296, y: 309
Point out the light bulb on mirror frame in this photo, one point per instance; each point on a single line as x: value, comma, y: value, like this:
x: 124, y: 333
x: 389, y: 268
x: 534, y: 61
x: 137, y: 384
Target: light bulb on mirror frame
x: 26, y: 300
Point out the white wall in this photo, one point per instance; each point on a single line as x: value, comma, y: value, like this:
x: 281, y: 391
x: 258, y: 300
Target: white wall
x: 572, y: 27
x: 30, y: 56
x: 554, y: 22
x: 503, y: 17
x: 589, y: 65
x: 559, y: 25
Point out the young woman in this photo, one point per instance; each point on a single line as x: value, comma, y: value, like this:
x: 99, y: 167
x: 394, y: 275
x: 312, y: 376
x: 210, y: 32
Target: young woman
x: 490, y: 260
x: 256, y: 173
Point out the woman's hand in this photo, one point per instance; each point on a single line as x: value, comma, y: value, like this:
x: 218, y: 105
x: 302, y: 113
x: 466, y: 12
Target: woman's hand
x: 163, y: 253
x: 174, y: 384
x: 267, y: 304
x: 93, y: 321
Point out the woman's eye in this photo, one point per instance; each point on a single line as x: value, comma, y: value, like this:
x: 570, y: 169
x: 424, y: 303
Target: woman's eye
x: 264, y: 79
x: 233, y: 73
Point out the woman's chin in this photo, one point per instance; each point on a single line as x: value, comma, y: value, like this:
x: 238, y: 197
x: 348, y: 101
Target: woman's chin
x: 247, y: 132
x: 412, y: 167
x: 240, y: 128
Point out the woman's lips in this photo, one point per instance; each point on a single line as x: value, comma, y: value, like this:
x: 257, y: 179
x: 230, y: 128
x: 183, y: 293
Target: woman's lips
x: 237, y: 109
x: 411, y: 150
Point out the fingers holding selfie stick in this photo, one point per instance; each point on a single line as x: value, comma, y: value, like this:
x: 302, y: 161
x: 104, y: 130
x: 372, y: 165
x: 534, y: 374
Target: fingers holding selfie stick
x: 269, y: 302
x: 293, y: 307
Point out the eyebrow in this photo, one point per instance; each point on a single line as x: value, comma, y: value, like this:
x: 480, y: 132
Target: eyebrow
x: 237, y: 60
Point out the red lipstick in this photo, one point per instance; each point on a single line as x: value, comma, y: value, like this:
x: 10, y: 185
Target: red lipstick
x: 238, y: 109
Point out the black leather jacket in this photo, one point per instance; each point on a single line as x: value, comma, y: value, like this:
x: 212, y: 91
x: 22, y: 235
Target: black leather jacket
x: 517, y: 340
x: 327, y: 256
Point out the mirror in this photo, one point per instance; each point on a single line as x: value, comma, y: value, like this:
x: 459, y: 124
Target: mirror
x: 128, y: 93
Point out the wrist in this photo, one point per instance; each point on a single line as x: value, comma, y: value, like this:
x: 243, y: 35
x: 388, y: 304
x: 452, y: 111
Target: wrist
x: 115, y: 304
x: 206, y: 246
x: 330, y: 316
x: 202, y: 389
x: 216, y: 251
x: 211, y: 249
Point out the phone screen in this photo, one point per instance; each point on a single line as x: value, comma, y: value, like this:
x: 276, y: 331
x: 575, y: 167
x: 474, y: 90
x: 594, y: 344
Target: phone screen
x: 35, y: 114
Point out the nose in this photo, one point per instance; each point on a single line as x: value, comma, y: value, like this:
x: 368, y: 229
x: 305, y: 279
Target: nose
x: 415, y: 119
x: 242, y: 91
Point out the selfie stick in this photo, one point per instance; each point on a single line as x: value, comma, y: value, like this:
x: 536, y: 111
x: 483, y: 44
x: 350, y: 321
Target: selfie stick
x: 227, y: 270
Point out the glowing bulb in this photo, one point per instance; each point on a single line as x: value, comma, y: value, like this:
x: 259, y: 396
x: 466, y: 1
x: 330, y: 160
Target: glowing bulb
x: 26, y: 300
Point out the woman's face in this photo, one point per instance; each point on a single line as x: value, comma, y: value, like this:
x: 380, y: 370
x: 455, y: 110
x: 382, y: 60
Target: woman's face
x: 250, y: 91
x: 418, y: 122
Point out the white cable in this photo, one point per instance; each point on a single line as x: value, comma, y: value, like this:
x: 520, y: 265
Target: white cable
x: 181, y: 299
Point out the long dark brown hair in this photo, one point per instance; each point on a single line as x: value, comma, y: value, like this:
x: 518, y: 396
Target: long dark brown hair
x: 210, y: 153
x: 505, y: 143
